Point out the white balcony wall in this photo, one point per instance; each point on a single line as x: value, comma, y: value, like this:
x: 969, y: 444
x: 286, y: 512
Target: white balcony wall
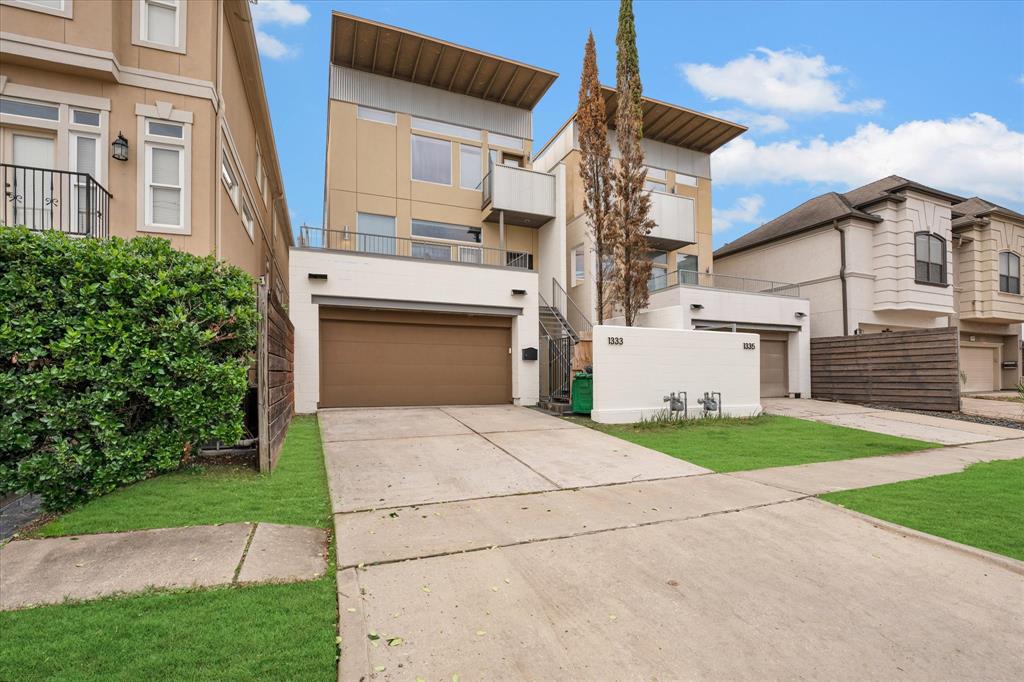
x: 523, y: 191
x: 675, y: 217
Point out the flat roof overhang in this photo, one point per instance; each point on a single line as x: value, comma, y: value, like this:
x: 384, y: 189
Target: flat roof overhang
x: 398, y: 53
x: 676, y: 125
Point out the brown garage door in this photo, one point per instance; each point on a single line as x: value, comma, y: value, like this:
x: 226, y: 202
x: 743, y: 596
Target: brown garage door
x: 978, y: 364
x: 383, y: 358
x: 774, y: 367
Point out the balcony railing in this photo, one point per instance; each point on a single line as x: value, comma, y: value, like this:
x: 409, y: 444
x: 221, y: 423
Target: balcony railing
x: 527, y: 197
x: 689, y: 278
x: 44, y: 199
x: 405, y: 247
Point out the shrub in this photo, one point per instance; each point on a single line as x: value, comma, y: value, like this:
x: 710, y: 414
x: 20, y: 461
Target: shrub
x: 117, y: 359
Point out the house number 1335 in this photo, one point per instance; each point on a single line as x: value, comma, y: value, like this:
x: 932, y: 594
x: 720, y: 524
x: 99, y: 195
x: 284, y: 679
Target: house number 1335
x: 614, y: 340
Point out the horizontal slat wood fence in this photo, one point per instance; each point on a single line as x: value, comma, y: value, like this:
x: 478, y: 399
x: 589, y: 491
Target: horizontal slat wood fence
x: 916, y: 370
x: 275, y: 366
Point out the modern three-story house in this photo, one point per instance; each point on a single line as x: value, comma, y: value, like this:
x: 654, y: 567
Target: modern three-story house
x: 142, y: 117
x: 454, y: 265
x: 896, y: 255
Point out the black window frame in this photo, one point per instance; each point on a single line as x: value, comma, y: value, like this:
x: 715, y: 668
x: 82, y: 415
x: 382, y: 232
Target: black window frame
x: 1009, y: 283
x: 929, y: 266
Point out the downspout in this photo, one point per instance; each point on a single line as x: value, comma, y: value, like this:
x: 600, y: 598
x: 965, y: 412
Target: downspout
x: 842, y: 275
x: 218, y: 135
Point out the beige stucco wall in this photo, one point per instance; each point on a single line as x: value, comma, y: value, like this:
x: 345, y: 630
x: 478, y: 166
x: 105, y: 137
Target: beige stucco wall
x: 369, y: 171
x: 977, y: 271
x: 93, y: 54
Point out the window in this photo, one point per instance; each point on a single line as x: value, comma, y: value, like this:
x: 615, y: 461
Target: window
x: 14, y: 107
x: 445, y: 129
x: 159, y: 22
x: 59, y: 8
x: 659, y: 272
x: 376, y: 233
x: 175, y: 130
x: 930, y: 258
x: 512, y: 160
x: 431, y: 160
x: 687, y: 180
x: 469, y: 167
x: 578, y: 265
x: 247, y: 219
x: 84, y: 117
x: 377, y: 115
x: 262, y: 180
x: 164, y: 186
x: 1009, y: 272
x: 686, y: 266
x: 229, y: 177
x: 429, y: 251
x: 471, y: 254
x: 85, y: 159
x: 432, y: 230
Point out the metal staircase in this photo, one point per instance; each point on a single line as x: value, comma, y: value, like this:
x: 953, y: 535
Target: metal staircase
x: 562, y: 325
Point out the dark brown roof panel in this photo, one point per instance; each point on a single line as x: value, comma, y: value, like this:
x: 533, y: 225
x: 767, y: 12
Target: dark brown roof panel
x: 397, y: 53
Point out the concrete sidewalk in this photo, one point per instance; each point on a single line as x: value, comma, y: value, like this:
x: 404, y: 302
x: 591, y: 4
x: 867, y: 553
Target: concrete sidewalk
x: 992, y: 409
x: 890, y: 422
x: 52, y: 570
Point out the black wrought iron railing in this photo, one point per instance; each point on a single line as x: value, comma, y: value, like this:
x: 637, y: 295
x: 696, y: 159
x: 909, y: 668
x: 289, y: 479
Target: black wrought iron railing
x: 469, y: 253
x: 45, y: 199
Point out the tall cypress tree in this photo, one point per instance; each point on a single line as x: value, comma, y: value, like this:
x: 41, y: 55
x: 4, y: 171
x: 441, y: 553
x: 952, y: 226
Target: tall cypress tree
x: 631, y: 209
x: 595, y: 165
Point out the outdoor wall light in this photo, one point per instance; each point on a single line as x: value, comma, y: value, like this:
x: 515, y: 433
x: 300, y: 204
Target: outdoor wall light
x: 696, y: 306
x: 800, y: 315
x: 519, y: 292
x: 317, y: 275
x: 120, y: 146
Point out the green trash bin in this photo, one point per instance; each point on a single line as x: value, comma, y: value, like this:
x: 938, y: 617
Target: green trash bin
x: 582, y: 393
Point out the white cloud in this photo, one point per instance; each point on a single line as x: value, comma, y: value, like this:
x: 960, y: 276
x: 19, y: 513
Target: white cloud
x: 976, y: 154
x: 745, y: 212
x: 782, y: 80
x: 758, y: 123
x: 279, y: 13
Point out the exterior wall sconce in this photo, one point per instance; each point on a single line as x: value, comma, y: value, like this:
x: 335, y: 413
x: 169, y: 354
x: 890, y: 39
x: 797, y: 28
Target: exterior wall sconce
x: 120, y: 146
x: 696, y: 306
x: 318, y: 275
x: 800, y: 315
x: 519, y: 292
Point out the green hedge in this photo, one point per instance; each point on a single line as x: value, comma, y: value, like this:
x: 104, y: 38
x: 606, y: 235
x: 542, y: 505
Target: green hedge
x: 119, y: 359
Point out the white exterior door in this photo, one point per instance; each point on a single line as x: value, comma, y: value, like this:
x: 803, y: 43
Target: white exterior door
x: 30, y: 189
x: 978, y: 364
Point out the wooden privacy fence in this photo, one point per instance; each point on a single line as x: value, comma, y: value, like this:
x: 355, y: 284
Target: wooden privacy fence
x: 917, y: 369
x: 275, y: 377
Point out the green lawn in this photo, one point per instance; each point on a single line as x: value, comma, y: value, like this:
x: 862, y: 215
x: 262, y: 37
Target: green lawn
x: 296, y: 493
x: 272, y: 632
x: 982, y: 506
x: 758, y: 443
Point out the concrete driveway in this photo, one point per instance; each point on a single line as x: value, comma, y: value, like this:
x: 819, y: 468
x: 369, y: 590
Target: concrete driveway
x: 499, y: 543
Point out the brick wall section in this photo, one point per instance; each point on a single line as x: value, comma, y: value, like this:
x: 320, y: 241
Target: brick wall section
x: 916, y: 370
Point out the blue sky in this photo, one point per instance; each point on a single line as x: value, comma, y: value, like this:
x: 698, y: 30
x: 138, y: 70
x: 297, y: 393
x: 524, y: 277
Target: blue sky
x: 835, y: 94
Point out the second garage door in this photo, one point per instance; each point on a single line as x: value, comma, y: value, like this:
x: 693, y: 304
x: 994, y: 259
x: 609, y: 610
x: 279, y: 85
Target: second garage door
x: 392, y: 358
x: 978, y: 364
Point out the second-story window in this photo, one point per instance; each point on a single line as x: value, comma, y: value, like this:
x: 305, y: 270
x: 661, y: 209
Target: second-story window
x: 469, y: 166
x: 656, y: 179
x: 686, y: 266
x: 247, y: 219
x: 431, y: 160
x: 929, y: 258
x: 1009, y: 272
x: 578, y: 265
x: 229, y: 177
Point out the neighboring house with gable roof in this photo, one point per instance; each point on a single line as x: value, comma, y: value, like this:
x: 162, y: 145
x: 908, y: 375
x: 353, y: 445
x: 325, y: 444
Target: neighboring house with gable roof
x: 896, y: 255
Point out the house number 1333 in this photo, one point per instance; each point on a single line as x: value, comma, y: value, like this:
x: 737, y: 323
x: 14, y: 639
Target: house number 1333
x: 614, y: 340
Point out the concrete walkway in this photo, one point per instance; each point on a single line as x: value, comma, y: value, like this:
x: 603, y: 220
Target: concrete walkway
x: 993, y: 409
x: 589, y: 558
x: 903, y: 424
x: 52, y: 570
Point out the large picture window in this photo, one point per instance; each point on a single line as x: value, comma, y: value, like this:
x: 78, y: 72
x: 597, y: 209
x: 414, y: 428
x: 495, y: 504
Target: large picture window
x: 929, y: 258
x: 431, y: 160
x: 1009, y: 272
x: 458, y: 233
